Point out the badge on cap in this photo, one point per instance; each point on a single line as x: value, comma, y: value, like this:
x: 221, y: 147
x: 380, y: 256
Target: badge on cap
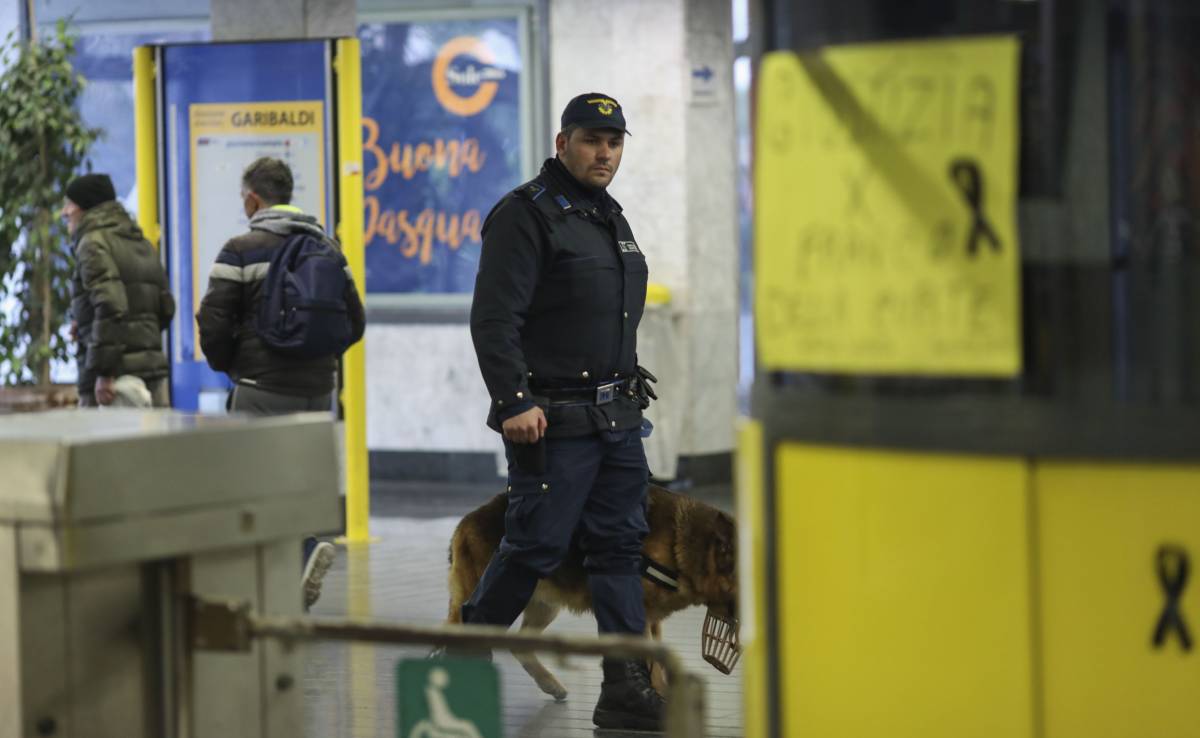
x: 605, y: 105
x: 594, y: 110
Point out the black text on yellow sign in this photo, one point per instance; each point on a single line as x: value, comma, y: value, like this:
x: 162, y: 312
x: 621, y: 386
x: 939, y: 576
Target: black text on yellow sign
x: 885, y: 209
x: 273, y: 118
x: 256, y: 118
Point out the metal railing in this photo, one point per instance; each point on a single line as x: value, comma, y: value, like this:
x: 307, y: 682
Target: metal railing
x: 231, y: 626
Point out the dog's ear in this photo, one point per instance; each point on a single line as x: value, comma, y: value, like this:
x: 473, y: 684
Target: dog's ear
x: 724, y: 545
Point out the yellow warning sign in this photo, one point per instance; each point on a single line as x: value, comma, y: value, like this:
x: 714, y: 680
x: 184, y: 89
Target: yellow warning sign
x: 885, y: 228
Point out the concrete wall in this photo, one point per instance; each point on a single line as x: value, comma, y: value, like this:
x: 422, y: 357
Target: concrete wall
x: 712, y: 235
x: 424, y: 390
x: 238, y: 20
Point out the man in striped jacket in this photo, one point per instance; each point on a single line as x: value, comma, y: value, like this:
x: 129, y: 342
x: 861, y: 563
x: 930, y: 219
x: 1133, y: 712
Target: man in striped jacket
x: 265, y: 382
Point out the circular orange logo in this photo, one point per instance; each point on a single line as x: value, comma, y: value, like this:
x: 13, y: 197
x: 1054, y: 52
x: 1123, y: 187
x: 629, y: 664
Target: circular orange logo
x: 442, y: 72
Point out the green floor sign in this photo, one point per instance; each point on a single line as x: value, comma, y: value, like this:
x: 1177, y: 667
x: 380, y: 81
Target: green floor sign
x: 450, y: 698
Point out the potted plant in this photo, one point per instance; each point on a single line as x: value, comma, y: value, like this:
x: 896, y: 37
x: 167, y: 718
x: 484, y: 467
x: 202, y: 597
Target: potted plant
x: 43, y: 144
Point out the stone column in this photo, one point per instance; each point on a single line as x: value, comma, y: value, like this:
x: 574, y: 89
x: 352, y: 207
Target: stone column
x: 238, y: 20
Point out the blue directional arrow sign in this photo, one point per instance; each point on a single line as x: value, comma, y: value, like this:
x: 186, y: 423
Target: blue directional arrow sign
x: 704, y: 86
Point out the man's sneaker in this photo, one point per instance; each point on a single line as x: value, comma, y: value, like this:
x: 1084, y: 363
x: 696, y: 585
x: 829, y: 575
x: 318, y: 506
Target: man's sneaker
x: 315, y: 570
x: 627, y: 701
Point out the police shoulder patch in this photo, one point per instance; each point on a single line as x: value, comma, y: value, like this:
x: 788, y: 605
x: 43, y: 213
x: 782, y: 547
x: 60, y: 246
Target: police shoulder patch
x: 628, y: 247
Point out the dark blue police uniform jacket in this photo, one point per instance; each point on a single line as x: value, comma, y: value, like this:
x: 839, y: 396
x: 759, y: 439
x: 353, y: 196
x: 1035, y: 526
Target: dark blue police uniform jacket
x: 558, y: 298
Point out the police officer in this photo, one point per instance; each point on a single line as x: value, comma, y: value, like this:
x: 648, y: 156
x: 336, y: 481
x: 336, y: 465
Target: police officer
x: 558, y: 298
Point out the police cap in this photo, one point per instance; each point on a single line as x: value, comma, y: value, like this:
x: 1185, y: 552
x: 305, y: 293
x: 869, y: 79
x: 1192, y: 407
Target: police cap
x: 594, y: 110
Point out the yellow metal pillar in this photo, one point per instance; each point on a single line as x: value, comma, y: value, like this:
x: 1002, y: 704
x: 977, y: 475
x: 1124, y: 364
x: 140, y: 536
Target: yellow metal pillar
x: 752, y: 578
x: 347, y: 68
x: 146, y: 142
x: 361, y: 691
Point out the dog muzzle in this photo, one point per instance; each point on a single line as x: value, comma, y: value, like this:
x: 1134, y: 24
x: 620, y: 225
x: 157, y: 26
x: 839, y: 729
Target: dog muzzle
x: 719, y: 642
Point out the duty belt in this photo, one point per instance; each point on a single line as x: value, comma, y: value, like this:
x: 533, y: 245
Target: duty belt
x: 599, y: 395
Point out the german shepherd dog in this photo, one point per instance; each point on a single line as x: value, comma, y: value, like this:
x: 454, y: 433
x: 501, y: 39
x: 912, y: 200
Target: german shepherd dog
x: 694, y: 540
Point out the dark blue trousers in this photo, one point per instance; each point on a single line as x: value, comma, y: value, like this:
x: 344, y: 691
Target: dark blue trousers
x: 595, y: 485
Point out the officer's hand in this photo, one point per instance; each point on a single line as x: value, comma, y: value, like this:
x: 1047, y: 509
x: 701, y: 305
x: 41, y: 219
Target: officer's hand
x: 646, y: 377
x: 643, y: 393
x: 528, y: 427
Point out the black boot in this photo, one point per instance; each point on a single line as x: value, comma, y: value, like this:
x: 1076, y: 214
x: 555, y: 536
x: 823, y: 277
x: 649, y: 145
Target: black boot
x: 627, y: 701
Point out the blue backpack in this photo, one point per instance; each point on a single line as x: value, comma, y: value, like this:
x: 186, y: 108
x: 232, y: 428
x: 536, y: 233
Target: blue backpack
x: 303, y: 312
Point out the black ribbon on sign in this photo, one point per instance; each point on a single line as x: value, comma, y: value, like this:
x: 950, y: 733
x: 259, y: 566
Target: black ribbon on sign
x: 968, y: 178
x: 1173, y: 570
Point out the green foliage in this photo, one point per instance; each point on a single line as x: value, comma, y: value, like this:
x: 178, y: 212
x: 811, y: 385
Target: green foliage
x: 43, y: 144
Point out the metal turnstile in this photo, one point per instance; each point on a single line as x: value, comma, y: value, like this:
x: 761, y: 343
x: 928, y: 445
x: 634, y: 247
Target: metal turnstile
x: 111, y: 522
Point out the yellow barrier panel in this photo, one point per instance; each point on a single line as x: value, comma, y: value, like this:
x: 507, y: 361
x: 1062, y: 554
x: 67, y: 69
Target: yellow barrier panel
x: 885, y: 209
x: 1115, y: 600
x: 347, y: 67
x: 145, y: 132
x: 904, y: 589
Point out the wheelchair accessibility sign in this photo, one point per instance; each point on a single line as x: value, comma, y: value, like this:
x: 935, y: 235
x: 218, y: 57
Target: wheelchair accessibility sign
x: 447, y: 699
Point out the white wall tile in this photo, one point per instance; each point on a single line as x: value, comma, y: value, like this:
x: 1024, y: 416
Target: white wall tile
x: 424, y: 390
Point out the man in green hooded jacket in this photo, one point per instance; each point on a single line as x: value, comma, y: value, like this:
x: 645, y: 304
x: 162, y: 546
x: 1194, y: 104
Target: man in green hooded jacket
x: 120, y: 299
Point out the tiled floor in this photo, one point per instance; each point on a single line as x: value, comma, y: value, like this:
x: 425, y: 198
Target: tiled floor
x: 350, y: 689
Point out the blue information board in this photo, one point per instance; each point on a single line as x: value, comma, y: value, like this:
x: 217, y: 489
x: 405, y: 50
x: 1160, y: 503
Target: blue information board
x: 198, y: 80
x: 442, y: 143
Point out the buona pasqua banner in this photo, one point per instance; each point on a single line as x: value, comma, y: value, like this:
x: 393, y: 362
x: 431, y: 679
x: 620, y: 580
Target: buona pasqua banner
x: 441, y: 144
